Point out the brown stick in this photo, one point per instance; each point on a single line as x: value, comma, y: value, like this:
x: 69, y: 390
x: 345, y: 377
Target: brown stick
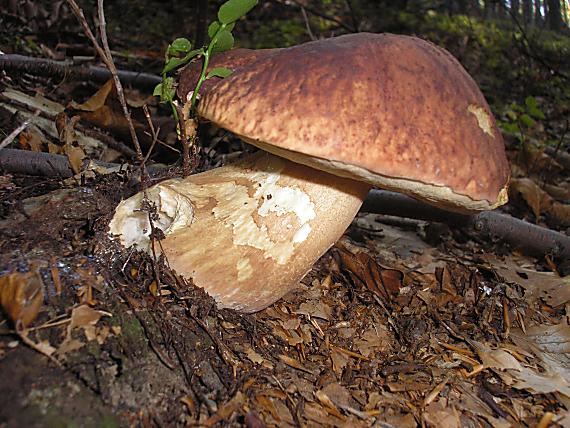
x: 528, y: 237
x: 108, y: 59
x: 105, y: 54
x: 18, y: 64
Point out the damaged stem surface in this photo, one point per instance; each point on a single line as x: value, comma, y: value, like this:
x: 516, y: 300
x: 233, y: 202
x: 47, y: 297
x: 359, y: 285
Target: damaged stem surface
x: 246, y: 232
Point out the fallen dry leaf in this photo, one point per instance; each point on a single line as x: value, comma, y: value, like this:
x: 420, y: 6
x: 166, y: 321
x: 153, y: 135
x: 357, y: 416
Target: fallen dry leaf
x: 339, y: 360
x: 266, y: 404
x: 31, y: 140
x: 386, y: 283
x: 86, y: 318
x: 83, y: 316
x: 66, y: 132
x: 97, y: 100
x: 548, y: 285
x: 376, y: 339
x: 21, y: 296
x: 337, y: 395
x: 551, y: 345
x: 470, y: 402
x: 438, y: 415
x: 563, y: 419
x: 540, y: 201
x: 104, y: 110
x: 292, y: 362
x: 316, y: 309
x: 552, y: 377
x: 496, y: 358
x: 253, y: 356
x: 328, y: 403
x: 226, y: 411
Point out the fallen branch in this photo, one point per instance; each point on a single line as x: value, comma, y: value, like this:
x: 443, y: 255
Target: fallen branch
x: 529, y: 238
x: 19, y: 64
x: 38, y: 163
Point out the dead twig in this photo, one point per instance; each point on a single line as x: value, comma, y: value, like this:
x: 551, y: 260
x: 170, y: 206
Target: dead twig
x: 19, y: 64
x: 320, y: 14
x: 10, y: 137
x: 118, y: 85
x: 105, y: 55
x: 223, y: 350
x: 307, y: 23
x: 185, y: 139
x: 530, y: 238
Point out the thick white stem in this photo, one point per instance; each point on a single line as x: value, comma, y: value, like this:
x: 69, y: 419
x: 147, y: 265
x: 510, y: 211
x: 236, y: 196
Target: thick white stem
x: 246, y: 232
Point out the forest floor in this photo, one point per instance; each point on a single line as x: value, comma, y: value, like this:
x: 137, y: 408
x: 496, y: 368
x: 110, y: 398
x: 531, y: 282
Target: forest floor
x: 402, y: 323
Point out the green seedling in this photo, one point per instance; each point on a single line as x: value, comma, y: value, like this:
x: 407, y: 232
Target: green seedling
x: 519, y: 119
x: 180, y: 52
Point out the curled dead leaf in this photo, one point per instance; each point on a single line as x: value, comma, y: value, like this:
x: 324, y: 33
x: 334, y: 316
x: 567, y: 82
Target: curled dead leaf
x: 21, y: 296
x: 547, y: 285
x: 385, y: 283
x: 540, y: 201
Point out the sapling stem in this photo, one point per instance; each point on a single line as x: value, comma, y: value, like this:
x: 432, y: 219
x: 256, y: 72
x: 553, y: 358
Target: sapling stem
x: 207, y: 54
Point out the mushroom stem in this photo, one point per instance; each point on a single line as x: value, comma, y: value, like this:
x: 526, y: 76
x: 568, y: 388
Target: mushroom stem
x: 246, y: 232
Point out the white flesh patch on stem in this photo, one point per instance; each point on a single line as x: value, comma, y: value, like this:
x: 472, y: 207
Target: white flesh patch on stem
x: 234, y: 206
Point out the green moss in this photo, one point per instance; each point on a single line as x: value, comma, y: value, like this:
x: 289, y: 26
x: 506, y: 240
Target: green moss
x: 53, y: 408
x: 132, y: 329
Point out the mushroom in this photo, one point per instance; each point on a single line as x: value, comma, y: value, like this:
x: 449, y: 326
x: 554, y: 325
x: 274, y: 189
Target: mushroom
x: 333, y: 118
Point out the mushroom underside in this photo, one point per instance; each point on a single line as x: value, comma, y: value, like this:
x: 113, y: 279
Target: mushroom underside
x: 247, y: 232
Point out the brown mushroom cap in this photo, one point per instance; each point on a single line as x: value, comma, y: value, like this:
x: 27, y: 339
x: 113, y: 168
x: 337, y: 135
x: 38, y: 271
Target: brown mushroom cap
x: 394, y: 111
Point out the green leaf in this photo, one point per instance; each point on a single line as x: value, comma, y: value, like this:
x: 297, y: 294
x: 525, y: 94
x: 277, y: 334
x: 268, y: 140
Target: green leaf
x: 517, y: 107
x: 214, y: 27
x: 166, y: 90
x: 224, y: 41
x: 219, y: 72
x: 157, y: 90
x: 174, y: 63
x: 533, y: 109
x: 232, y: 10
x: 179, y: 46
x: 527, y: 120
x: 530, y: 102
x: 510, y: 128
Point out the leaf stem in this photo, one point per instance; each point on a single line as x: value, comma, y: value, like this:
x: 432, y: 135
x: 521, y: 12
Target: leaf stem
x: 207, y: 55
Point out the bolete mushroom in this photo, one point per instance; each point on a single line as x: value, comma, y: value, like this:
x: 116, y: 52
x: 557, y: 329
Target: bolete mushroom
x: 339, y: 116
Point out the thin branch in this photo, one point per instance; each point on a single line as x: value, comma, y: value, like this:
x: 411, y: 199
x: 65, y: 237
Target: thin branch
x: 69, y: 70
x: 355, y: 21
x: 320, y: 14
x: 118, y: 85
x: 527, y: 46
x: 106, y: 57
x: 154, y: 133
x: 307, y: 23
